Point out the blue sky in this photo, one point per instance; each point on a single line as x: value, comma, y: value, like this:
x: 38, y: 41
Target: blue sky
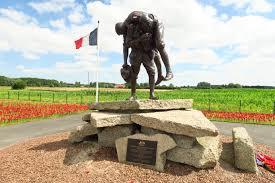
x: 219, y: 41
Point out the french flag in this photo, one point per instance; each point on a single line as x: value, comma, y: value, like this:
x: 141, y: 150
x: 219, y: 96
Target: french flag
x: 90, y: 39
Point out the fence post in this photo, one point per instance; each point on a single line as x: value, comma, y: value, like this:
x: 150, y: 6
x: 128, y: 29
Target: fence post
x: 66, y: 98
x: 53, y: 97
x: 29, y: 96
x: 274, y: 107
x: 240, y: 106
x: 18, y: 96
x: 40, y: 97
x: 209, y: 104
x: 8, y: 95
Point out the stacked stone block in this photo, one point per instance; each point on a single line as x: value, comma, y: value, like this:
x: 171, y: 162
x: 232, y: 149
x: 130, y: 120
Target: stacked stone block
x: 184, y: 135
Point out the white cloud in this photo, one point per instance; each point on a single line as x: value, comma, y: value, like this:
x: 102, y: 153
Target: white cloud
x: 52, y: 5
x: 16, y: 16
x: 22, y: 34
x: 247, y: 71
x: 261, y: 6
x: 59, y: 24
x: 76, y: 16
x: 251, y: 6
x: 197, y: 56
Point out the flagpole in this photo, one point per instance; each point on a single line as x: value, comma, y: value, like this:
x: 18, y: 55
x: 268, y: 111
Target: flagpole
x: 97, y: 68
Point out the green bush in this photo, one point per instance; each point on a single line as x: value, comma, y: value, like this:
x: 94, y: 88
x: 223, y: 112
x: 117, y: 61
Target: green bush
x: 203, y: 85
x: 18, y: 85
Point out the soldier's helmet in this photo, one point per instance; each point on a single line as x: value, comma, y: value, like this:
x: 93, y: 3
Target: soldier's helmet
x: 120, y: 28
x: 126, y: 73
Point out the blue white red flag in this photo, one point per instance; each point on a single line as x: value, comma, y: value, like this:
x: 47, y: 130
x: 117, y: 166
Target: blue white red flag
x: 90, y: 39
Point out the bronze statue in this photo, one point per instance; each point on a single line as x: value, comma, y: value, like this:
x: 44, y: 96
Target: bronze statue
x: 143, y: 33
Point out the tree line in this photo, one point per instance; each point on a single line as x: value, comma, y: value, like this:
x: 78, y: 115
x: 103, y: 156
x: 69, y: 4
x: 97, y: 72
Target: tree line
x: 21, y: 83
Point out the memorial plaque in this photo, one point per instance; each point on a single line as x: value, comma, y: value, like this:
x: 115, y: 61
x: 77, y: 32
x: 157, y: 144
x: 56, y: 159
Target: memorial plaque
x: 141, y: 151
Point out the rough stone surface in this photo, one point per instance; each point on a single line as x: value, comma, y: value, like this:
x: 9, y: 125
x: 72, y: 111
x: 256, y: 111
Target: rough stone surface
x: 165, y: 143
x: 81, y: 132
x: 86, y: 118
x: 181, y: 140
x: 182, y: 122
x: 147, y: 105
x: 227, y: 153
x: 205, y: 154
x: 106, y: 119
x: 244, y: 150
x: 107, y: 136
x: 85, y: 154
x: 151, y: 131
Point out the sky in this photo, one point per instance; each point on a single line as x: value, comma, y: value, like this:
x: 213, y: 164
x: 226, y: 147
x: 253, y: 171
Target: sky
x: 217, y: 41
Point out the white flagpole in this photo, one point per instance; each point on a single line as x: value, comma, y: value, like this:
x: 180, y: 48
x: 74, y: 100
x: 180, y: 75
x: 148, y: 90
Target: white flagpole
x: 97, y: 64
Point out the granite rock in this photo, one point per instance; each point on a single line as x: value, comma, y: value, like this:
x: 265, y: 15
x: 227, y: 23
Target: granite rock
x: 107, y: 136
x: 107, y: 119
x: 244, y: 150
x: 143, y: 105
x: 182, y: 122
x: 151, y: 131
x: 205, y: 154
x: 86, y: 118
x: 81, y: 132
x: 183, y: 141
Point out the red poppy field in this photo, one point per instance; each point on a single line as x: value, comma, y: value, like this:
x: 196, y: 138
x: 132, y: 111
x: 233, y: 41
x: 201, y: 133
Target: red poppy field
x: 18, y: 111
x: 245, y: 117
x: 11, y: 112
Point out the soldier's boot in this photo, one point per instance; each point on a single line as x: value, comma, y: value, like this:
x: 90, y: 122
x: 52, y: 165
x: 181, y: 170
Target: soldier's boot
x: 169, y: 76
x: 160, y: 79
x: 133, y: 90
x: 132, y: 98
x: 152, y: 87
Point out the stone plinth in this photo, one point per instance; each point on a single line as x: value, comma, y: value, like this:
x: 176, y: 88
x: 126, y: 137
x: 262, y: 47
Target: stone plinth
x: 107, y: 136
x: 205, y: 154
x: 143, y: 105
x: 81, y: 132
x: 183, y: 122
x: 108, y: 119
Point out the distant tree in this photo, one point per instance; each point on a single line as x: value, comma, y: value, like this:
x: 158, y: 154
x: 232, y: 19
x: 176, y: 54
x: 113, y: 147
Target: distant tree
x: 203, y: 85
x: 4, y: 81
x: 171, y: 85
x: 233, y: 85
x: 18, y: 85
x: 144, y: 85
x: 77, y: 84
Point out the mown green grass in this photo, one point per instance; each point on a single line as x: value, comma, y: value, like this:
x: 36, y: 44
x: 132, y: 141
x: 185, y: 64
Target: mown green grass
x: 244, y: 100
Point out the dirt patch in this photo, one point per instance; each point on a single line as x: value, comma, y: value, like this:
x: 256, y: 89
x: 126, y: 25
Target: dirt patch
x: 53, y: 159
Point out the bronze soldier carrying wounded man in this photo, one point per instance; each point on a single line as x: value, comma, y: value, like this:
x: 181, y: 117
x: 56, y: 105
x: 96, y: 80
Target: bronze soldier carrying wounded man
x: 143, y: 33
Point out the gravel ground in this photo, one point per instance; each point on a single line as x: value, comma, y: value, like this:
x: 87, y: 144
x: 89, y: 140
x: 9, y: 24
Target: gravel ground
x: 53, y: 159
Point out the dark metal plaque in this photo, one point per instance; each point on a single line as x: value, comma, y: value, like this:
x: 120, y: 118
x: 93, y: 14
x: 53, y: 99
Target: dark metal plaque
x: 141, y: 151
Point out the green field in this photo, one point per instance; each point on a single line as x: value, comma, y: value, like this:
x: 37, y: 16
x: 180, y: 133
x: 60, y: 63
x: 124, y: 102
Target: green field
x: 244, y: 100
